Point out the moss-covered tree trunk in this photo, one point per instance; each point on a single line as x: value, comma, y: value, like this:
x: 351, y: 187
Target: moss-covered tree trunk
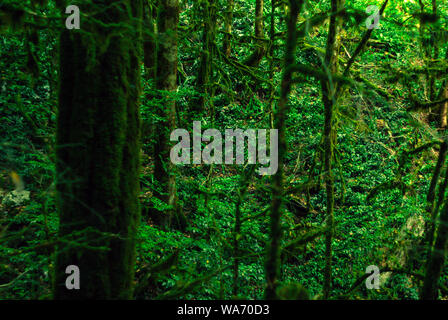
x: 98, y: 152
x: 329, y: 97
x: 273, y: 250
x: 199, y: 102
x: 149, y: 38
x: 228, y: 20
x: 270, y: 56
x: 260, y: 45
x: 166, y: 83
x: 150, y: 64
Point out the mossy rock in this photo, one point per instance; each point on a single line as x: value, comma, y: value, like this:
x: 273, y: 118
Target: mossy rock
x: 16, y: 198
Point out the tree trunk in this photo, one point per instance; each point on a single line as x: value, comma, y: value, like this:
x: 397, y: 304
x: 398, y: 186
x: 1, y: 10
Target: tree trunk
x: 228, y: 20
x: 329, y: 97
x: 260, y: 46
x: 149, y: 39
x: 431, y: 208
x: 198, y: 103
x: 150, y: 64
x: 436, y: 262
x: 166, y: 83
x: 273, y: 250
x: 97, y: 153
x: 271, y: 63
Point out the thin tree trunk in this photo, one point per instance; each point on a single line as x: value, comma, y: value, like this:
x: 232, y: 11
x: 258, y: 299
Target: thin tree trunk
x: 98, y: 154
x: 260, y: 46
x: 273, y: 250
x: 271, y: 63
x: 199, y: 102
x: 430, y: 228
x: 430, y: 198
x: 228, y: 20
x: 149, y: 39
x: 437, y: 260
x: 329, y: 98
x: 150, y: 63
x: 433, y: 209
x: 166, y: 83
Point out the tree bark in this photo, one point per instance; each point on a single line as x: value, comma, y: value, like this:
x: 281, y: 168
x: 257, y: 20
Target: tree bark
x: 98, y: 153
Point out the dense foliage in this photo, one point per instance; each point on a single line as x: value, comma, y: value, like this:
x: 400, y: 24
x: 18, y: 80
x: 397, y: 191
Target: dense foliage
x: 205, y: 230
